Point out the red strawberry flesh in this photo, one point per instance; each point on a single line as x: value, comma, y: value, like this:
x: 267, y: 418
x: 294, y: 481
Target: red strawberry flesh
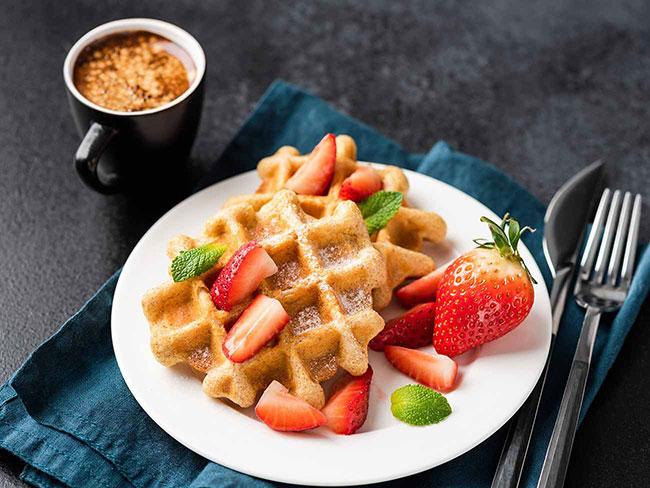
x: 361, y: 184
x: 421, y: 290
x: 413, y: 329
x: 260, y: 323
x: 435, y: 371
x: 347, y: 408
x: 285, y: 412
x: 241, y: 275
x: 315, y: 175
x: 480, y: 298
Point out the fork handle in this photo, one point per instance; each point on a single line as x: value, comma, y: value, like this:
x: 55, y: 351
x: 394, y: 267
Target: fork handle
x: 558, y: 453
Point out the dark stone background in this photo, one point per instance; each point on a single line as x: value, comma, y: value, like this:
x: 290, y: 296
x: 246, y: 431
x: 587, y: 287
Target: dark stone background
x: 538, y: 88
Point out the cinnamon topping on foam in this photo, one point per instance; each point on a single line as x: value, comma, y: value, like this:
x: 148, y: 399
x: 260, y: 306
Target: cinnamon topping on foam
x: 133, y: 71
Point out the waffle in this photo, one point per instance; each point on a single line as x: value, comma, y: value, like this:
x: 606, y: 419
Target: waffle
x: 327, y: 272
x: 399, y: 242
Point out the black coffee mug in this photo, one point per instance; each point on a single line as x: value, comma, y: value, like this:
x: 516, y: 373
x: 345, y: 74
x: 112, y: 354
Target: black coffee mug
x: 120, y: 150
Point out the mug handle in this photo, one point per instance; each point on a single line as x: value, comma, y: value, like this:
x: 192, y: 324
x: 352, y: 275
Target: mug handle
x: 86, y: 159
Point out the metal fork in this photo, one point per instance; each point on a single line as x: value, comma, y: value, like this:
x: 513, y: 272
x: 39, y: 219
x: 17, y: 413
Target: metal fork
x: 602, y: 285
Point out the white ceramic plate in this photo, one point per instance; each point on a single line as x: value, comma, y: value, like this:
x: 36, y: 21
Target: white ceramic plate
x: 495, y: 378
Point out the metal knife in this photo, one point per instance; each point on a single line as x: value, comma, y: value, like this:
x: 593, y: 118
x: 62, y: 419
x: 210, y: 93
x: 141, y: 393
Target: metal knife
x: 564, y: 225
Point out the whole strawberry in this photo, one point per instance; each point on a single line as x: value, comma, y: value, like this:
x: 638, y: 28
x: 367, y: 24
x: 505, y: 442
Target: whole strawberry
x: 485, y: 293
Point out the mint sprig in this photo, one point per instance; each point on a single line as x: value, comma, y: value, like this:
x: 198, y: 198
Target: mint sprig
x: 195, y: 262
x: 419, y: 405
x: 379, y: 208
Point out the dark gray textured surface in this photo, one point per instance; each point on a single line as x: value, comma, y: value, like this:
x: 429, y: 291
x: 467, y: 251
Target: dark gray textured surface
x: 538, y: 88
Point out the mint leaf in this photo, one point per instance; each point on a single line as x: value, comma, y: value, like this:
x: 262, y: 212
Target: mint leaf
x: 419, y: 405
x: 379, y: 208
x: 195, y: 262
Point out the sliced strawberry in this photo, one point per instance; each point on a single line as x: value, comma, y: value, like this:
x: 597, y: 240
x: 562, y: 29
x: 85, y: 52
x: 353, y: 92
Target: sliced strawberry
x: 347, y: 408
x: 315, y: 175
x: 241, y: 275
x: 360, y: 185
x: 421, y: 290
x: 283, y: 411
x: 435, y: 371
x: 261, y: 321
x: 413, y: 329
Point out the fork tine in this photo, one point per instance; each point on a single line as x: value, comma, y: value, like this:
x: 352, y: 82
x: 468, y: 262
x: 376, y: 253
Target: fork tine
x: 614, y: 268
x: 608, y: 238
x: 589, y: 254
x: 632, y: 241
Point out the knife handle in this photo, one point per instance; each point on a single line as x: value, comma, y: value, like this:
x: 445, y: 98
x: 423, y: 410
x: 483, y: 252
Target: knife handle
x: 513, y: 456
x: 559, y: 449
x: 515, y: 447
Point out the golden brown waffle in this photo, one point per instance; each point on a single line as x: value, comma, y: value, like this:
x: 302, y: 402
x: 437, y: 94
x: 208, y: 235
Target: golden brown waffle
x: 327, y: 271
x: 399, y: 242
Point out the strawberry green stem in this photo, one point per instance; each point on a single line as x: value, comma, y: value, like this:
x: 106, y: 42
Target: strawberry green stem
x: 505, y: 239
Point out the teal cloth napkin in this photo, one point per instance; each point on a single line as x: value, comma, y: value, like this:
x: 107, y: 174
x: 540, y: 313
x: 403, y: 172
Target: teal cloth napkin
x: 69, y: 415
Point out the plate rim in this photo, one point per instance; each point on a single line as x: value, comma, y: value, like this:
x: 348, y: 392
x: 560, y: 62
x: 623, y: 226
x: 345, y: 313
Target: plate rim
x: 251, y: 469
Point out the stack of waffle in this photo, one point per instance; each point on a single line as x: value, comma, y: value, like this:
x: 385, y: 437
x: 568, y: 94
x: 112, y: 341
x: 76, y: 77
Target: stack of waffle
x: 332, y: 279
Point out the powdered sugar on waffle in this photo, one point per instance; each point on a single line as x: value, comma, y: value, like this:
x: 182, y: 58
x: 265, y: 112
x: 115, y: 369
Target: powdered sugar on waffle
x: 355, y: 299
x: 287, y: 274
x: 333, y: 256
x: 306, y: 319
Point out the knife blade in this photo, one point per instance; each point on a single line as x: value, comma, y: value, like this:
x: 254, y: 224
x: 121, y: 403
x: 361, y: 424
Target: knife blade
x: 564, y: 226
